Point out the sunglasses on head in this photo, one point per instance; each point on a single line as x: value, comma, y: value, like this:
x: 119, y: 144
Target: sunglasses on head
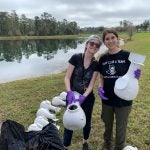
x: 96, y: 44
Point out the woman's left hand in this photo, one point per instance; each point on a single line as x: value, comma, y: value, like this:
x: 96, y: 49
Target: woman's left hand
x: 81, y: 99
x: 137, y: 73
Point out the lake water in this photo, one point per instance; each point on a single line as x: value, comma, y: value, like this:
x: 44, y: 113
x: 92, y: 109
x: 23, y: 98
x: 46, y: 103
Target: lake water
x: 34, y: 58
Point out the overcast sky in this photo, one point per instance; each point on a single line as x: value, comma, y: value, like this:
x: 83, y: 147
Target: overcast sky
x: 87, y: 13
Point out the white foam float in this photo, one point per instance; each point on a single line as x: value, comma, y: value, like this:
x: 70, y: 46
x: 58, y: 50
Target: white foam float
x: 57, y: 101
x: 76, y: 95
x: 130, y: 148
x: 45, y: 113
x: 127, y: 87
x: 74, y: 117
x: 47, y: 105
x: 34, y: 127
x: 41, y: 120
x: 63, y: 95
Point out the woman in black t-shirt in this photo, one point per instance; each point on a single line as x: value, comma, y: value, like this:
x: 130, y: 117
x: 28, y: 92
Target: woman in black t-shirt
x: 113, y: 65
x: 78, y: 78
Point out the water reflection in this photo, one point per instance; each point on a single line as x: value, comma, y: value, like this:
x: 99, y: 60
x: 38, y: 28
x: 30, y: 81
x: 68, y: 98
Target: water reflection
x: 24, y: 59
x: 15, y: 50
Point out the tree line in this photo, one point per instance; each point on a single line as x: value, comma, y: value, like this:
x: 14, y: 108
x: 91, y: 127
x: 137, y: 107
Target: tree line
x: 13, y: 25
x: 45, y: 25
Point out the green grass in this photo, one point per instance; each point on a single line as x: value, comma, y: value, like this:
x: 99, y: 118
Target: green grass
x: 19, y: 101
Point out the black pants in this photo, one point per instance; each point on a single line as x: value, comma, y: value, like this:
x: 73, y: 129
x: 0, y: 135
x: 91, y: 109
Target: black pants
x: 87, y: 107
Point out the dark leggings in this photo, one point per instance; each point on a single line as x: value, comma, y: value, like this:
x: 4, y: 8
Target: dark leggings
x: 87, y: 106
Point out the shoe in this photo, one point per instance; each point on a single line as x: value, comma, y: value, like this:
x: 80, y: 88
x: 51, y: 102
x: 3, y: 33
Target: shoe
x: 85, y: 146
x: 106, y: 146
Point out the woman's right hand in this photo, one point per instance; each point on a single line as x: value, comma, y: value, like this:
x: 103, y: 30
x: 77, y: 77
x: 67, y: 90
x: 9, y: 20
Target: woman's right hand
x: 101, y: 93
x: 70, y: 97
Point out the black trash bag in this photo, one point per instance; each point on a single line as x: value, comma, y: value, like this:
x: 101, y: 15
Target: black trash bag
x: 18, y: 145
x: 46, y: 139
x: 12, y: 136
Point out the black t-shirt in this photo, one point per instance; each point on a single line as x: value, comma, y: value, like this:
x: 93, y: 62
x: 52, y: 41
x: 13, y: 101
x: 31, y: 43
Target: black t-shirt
x: 81, y: 77
x: 113, y: 66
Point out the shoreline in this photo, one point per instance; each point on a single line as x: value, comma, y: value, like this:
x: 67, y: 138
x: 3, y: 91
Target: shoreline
x: 4, y: 38
x: 33, y: 77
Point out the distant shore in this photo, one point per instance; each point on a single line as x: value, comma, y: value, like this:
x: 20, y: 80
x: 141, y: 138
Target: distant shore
x: 41, y: 37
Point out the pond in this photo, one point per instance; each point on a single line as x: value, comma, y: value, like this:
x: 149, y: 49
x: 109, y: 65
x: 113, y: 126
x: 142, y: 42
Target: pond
x: 33, y: 58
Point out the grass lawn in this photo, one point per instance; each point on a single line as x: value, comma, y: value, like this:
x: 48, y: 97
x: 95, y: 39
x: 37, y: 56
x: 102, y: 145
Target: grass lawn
x: 19, y: 101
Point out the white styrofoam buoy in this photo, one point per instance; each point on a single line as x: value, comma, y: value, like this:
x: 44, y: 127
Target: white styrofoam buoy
x: 45, y: 113
x: 41, y: 120
x: 63, y: 95
x: 57, y: 101
x: 47, y: 105
x: 127, y: 87
x: 74, y: 117
x: 34, y: 127
x: 130, y: 148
